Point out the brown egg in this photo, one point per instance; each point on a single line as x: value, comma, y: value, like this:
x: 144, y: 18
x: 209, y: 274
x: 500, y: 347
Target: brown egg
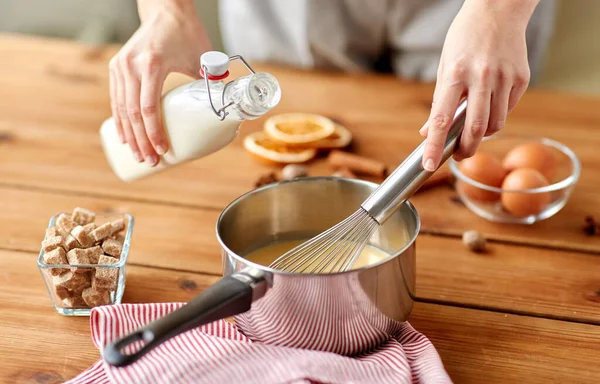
x: 532, y: 155
x: 486, y: 169
x: 525, y: 204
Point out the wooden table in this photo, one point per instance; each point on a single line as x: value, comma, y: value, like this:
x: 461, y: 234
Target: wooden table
x: 527, y: 311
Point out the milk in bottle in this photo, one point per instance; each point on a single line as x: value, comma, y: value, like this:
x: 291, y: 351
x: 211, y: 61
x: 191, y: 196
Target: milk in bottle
x: 196, y: 124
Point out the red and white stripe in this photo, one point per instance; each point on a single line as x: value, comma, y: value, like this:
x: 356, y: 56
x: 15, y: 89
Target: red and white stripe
x: 220, y: 353
x: 310, y: 312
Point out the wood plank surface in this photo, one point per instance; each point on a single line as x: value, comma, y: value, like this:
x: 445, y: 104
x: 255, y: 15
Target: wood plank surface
x: 38, y: 345
x: 483, y: 312
x: 535, y: 281
x: 44, y: 131
x: 540, y: 282
x: 490, y: 347
x: 163, y: 236
x: 563, y: 231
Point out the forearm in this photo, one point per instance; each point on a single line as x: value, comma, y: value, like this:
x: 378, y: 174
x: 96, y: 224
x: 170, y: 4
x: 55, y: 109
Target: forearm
x: 517, y: 11
x: 146, y: 8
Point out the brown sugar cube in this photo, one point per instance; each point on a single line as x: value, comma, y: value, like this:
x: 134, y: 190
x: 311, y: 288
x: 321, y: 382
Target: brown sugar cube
x: 117, y: 226
x: 62, y: 292
x: 74, y: 302
x: 71, y: 243
x: 102, y: 232
x: 87, y: 282
x: 64, y: 223
x: 52, y: 232
x: 56, y: 256
x: 101, y: 285
x: 52, y: 243
x: 89, y: 227
x: 82, y: 236
x: 94, y: 254
x: 112, y: 247
x: 78, y: 256
x: 120, y: 239
x: 95, y: 297
x: 72, y: 281
x: 82, y: 216
x: 106, y: 277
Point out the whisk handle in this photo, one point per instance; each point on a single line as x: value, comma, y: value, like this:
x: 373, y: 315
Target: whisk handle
x: 404, y: 181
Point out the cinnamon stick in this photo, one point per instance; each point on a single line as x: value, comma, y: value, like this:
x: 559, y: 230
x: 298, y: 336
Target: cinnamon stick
x: 440, y: 177
x: 357, y: 164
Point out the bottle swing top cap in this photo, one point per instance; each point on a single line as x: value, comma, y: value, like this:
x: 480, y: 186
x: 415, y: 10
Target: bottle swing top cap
x: 216, y: 63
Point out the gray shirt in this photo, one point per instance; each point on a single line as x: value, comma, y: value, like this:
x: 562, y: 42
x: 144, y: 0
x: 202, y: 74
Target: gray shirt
x: 403, y: 36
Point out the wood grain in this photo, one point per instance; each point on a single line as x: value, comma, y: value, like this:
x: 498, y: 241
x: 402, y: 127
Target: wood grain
x: 164, y: 236
x: 490, y: 347
x: 509, y: 278
x: 476, y: 346
x: 55, y: 96
x: 39, y: 345
x: 384, y: 113
x: 541, y: 282
x: 562, y: 231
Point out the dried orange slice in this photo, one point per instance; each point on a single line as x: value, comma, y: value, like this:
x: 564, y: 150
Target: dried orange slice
x: 269, y: 150
x: 339, y: 139
x: 299, y: 128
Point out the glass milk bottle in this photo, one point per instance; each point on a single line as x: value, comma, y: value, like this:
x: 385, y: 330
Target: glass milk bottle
x: 199, y: 118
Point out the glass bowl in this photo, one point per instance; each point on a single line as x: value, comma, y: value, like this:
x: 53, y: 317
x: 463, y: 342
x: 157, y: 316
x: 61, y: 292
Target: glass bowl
x: 70, y: 303
x: 559, y: 189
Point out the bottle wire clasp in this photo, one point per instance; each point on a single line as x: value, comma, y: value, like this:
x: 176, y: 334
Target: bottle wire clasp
x: 222, y: 112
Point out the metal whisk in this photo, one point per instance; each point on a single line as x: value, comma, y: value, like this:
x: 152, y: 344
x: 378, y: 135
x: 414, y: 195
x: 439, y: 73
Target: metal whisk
x: 337, y: 249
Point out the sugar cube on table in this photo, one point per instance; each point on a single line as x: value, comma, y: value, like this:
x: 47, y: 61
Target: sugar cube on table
x: 106, y: 277
x: 52, y: 243
x: 56, y: 256
x: 82, y: 236
x: 102, y: 232
x: 112, y: 247
x: 64, y: 223
x: 82, y: 216
x: 95, y: 297
x: 75, y: 301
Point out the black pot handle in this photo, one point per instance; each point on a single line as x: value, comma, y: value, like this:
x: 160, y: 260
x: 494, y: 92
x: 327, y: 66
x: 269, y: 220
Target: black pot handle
x: 230, y: 296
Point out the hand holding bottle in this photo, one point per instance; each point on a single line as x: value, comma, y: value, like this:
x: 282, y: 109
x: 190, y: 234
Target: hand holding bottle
x: 171, y: 38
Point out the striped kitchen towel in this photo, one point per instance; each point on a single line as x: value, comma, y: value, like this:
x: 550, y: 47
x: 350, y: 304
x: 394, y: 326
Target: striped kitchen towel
x: 220, y: 353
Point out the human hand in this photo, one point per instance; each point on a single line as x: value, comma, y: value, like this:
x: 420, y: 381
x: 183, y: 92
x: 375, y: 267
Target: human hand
x: 485, y: 60
x: 170, y: 38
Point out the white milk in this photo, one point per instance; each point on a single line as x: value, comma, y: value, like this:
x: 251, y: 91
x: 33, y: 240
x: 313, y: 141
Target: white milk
x: 192, y: 126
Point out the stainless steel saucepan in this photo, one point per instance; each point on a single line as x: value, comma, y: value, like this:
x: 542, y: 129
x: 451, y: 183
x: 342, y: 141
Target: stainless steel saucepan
x: 344, y: 313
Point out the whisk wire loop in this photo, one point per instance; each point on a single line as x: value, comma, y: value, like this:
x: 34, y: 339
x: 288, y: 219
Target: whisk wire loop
x: 292, y: 260
x: 348, y: 245
x: 333, y: 250
x: 336, y: 240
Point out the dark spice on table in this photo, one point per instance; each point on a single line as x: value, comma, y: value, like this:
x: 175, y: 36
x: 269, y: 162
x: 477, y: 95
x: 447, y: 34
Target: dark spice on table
x: 266, y: 179
x: 590, y: 227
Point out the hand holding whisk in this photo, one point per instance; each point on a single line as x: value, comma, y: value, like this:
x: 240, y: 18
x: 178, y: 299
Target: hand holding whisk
x: 336, y: 249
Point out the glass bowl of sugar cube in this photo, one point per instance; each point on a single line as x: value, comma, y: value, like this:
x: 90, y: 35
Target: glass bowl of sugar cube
x: 83, y: 258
